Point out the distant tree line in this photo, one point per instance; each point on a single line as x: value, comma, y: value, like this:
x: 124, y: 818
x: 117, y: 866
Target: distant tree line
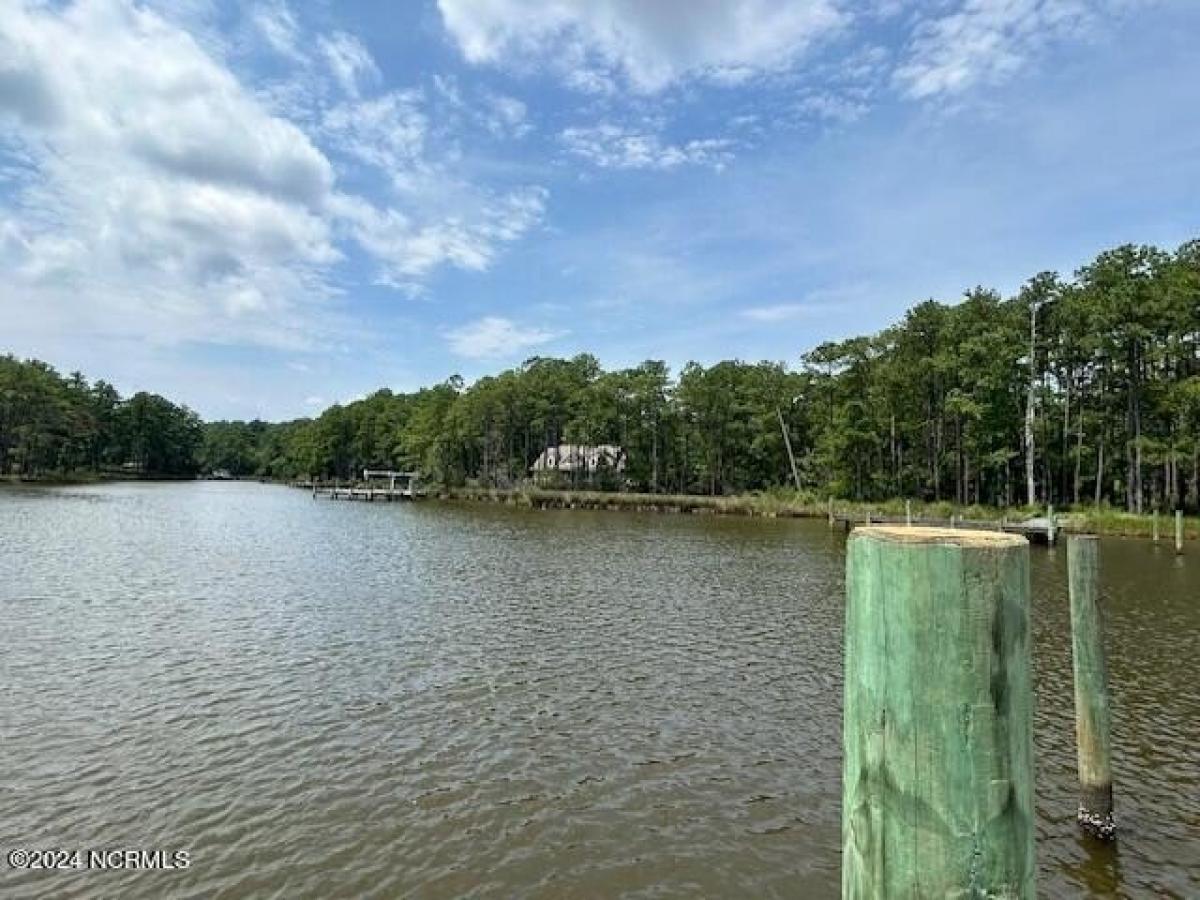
x: 1074, y: 390
x: 54, y: 424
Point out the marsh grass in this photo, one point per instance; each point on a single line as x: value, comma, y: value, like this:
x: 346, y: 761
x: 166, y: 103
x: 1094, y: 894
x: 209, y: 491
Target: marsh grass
x: 796, y: 504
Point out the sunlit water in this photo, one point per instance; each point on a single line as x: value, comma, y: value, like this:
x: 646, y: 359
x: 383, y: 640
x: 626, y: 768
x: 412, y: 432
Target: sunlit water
x: 325, y: 700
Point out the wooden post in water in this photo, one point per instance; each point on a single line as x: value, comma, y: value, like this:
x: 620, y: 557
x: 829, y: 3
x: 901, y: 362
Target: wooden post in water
x: 1092, y: 717
x: 830, y: 512
x: 908, y: 512
x: 937, y: 789
x: 787, y: 442
x: 1178, y: 531
x: 1154, y: 526
x: 1051, y: 526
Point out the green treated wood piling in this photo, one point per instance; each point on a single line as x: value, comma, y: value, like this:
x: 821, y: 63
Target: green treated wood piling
x: 1092, y: 717
x: 937, y: 795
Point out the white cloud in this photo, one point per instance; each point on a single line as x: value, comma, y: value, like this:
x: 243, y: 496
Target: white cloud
x: 493, y: 337
x: 782, y: 312
x: 616, y: 147
x: 408, y: 250
x: 161, y: 198
x: 387, y: 131
x: 277, y: 25
x: 504, y: 116
x: 351, y: 63
x: 648, y: 45
x: 988, y: 41
x: 599, y: 45
x: 833, y: 107
x: 148, y: 194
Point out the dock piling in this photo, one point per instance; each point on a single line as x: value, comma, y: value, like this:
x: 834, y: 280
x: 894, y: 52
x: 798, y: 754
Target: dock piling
x: 1154, y: 526
x: 1178, y: 531
x: 937, y: 787
x: 1052, y: 526
x: 908, y: 513
x: 1092, y: 714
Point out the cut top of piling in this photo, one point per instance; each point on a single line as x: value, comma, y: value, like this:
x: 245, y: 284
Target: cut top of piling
x: 957, y: 537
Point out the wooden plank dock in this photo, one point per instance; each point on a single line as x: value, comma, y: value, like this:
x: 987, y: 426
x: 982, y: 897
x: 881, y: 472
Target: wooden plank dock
x: 368, y: 494
x: 400, y: 486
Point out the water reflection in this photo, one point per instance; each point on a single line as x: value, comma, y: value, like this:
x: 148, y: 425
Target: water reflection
x: 321, y: 699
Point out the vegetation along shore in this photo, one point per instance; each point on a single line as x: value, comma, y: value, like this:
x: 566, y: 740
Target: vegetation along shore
x: 1079, y: 392
x: 787, y: 505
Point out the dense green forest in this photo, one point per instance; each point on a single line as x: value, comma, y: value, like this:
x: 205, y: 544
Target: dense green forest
x: 50, y: 424
x: 1082, y: 390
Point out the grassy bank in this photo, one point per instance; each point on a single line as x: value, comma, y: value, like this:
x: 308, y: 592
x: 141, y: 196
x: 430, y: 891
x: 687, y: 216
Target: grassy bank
x: 797, y: 505
x: 1115, y: 522
x: 53, y: 479
x: 67, y: 479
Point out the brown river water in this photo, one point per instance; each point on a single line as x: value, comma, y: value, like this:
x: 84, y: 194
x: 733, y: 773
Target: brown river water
x: 322, y: 700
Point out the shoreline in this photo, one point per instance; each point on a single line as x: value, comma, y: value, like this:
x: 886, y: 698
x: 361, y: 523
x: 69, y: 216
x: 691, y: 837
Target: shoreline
x: 83, y: 478
x: 1086, y: 520
x: 1106, y: 522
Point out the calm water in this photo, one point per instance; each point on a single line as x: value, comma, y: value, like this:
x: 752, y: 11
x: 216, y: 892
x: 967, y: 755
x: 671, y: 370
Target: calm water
x: 327, y: 700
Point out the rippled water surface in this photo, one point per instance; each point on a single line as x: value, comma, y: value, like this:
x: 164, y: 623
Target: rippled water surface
x: 325, y: 700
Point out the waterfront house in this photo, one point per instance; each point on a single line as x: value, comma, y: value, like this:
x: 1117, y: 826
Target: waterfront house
x: 578, y: 463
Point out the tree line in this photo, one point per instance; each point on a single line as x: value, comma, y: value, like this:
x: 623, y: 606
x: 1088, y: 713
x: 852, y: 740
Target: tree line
x: 1074, y: 390
x: 51, y: 424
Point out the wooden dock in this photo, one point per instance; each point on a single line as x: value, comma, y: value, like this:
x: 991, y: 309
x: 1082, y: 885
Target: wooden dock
x: 401, y: 486
x: 1039, y: 530
x: 368, y: 494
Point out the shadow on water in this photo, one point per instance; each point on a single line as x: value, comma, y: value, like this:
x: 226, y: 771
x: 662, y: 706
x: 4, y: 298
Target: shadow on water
x: 1097, y: 869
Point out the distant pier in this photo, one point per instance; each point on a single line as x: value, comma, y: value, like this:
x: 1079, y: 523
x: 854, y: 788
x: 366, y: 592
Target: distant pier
x: 400, y: 486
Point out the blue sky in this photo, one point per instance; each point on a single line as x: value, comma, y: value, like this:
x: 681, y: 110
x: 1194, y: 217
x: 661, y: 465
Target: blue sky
x: 263, y: 208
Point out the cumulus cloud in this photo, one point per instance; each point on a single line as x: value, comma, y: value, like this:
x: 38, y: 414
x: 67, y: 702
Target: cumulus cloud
x: 616, y: 147
x: 148, y: 193
x: 647, y: 45
x: 160, y: 196
x: 600, y: 46
x: 495, y: 337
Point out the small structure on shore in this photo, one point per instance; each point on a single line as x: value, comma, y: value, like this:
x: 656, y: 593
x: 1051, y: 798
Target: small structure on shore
x: 400, y: 486
x: 578, y: 462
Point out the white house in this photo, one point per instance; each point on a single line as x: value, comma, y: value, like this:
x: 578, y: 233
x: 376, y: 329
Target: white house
x: 572, y: 458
